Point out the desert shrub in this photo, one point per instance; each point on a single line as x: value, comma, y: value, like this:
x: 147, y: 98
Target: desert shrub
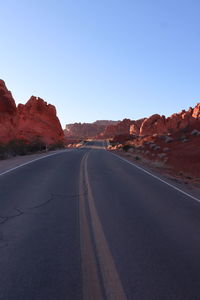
x: 17, y: 147
x: 58, y: 145
x: 23, y: 147
x: 126, y: 147
x: 36, y: 145
x: 137, y: 158
x: 3, y: 152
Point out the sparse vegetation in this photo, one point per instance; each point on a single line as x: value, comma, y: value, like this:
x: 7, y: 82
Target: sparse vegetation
x: 22, y: 147
x: 56, y: 146
x: 3, y: 152
x: 126, y: 147
x: 137, y: 158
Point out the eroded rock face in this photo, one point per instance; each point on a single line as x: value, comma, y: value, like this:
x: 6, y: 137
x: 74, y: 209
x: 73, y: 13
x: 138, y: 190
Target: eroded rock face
x: 196, y: 111
x: 162, y: 125
x: 7, y: 103
x: 135, y: 127
x: 153, y: 124
x: 34, y: 120
x: 99, y: 129
x: 38, y: 119
x: 87, y: 130
x: 83, y: 130
x: 122, y: 128
x: 8, y: 113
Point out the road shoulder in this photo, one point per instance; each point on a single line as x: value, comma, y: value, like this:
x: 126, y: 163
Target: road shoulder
x: 13, y: 162
x: 185, y: 185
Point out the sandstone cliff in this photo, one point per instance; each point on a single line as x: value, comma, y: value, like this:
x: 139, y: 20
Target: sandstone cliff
x: 34, y: 120
x: 87, y: 130
x: 38, y: 119
x: 8, y: 112
x: 157, y: 124
x: 121, y: 128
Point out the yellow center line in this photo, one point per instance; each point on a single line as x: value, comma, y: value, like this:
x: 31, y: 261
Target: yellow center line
x: 103, y: 281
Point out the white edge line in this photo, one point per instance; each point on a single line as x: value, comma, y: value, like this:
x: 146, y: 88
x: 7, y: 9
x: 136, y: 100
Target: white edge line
x: 156, y: 177
x: 31, y: 161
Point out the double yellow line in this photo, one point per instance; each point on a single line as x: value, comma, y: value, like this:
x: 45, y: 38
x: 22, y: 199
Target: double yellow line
x: 100, y: 278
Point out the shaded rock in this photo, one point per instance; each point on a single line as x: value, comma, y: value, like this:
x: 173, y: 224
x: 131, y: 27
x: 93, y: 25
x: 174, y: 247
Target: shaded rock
x: 162, y: 155
x: 152, y: 146
x: 157, y: 148
x: 168, y: 139
x: 8, y: 114
x: 195, y: 132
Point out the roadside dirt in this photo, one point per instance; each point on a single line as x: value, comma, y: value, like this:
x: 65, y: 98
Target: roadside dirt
x: 13, y: 162
x: 188, y: 184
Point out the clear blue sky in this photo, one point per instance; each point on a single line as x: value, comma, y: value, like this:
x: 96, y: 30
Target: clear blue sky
x: 102, y: 59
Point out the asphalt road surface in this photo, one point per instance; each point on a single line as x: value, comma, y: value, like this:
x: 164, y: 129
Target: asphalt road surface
x: 84, y: 224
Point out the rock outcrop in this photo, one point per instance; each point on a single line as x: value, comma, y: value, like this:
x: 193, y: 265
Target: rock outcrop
x: 8, y: 112
x: 121, y: 128
x: 172, y: 143
x: 136, y: 125
x: 34, y: 120
x: 87, y: 130
x: 82, y: 130
x: 157, y: 124
x: 38, y: 119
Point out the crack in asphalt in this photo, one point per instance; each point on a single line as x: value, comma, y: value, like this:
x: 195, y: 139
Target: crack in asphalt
x: 3, y: 242
x: 4, y: 219
x: 53, y: 195
x: 21, y: 211
x: 44, y: 203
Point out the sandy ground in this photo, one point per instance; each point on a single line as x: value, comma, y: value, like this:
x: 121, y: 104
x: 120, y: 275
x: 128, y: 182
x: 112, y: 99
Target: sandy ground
x: 13, y: 162
x: 184, y: 183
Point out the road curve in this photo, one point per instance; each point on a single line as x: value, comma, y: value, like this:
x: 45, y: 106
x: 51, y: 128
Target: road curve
x: 87, y: 225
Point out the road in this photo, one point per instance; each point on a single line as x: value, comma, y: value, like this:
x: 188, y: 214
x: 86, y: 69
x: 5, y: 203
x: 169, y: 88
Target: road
x: 84, y: 224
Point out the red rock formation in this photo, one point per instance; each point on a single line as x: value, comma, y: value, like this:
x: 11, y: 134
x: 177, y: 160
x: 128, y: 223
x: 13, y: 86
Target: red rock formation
x: 122, y: 128
x: 181, y: 155
x: 106, y: 122
x: 87, y: 130
x: 38, y: 119
x: 196, y: 111
x: 153, y: 124
x: 82, y: 130
x: 35, y: 119
x: 169, y: 143
x: 161, y: 125
x: 7, y: 114
x: 135, y: 127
